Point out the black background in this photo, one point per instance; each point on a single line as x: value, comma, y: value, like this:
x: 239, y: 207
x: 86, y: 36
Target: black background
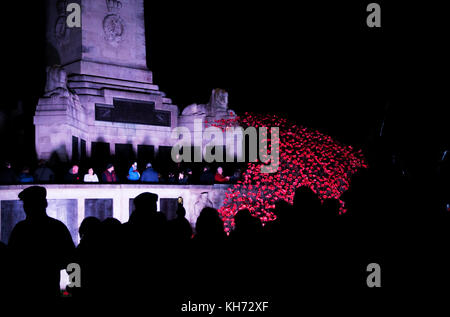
x: 316, y: 62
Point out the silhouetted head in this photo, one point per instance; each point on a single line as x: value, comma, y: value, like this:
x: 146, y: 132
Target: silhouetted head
x: 242, y: 218
x: 111, y: 230
x: 146, y: 201
x: 149, y: 165
x: 206, y: 169
x: 247, y: 224
x: 42, y: 163
x: 220, y: 170
x: 110, y: 221
x: 282, y: 208
x: 34, y: 200
x: 111, y: 226
x: 91, y: 171
x: 110, y: 168
x: 89, y: 226
x: 209, y: 225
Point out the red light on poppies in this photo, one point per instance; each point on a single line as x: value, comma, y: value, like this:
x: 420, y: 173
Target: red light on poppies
x: 306, y: 158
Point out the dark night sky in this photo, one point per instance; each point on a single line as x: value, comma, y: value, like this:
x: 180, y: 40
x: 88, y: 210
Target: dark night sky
x: 317, y: 63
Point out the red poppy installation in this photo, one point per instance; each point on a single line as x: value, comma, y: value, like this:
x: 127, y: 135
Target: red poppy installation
x: 306, y: 158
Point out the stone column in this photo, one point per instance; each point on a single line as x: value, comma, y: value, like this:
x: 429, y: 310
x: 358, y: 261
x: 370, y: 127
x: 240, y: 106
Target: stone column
x: 112, y: 148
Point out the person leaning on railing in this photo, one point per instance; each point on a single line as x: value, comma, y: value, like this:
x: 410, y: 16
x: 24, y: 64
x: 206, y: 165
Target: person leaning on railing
x: 90, y: 177
x: 133, y: 173
x: 219, y: 178
x: 109, y: 175
x: 149, y: 175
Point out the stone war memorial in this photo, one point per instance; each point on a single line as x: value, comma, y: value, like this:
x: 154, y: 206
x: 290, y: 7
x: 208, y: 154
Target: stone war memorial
x: 100, y: 96
x: 99, y: 90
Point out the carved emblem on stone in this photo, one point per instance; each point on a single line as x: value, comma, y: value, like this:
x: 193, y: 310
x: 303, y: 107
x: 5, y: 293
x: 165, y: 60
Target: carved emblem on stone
x: 113, y: 24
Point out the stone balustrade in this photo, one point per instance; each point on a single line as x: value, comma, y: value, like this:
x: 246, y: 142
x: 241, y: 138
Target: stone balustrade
x: 72, y: 203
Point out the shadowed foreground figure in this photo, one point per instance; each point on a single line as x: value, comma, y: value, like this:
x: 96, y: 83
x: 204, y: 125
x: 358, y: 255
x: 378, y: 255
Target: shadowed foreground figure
x: 151, y: 262
x: 146, y: 226
x: 145, y: 251
x: 180, y: 231
x: 3, y: 269
x: 88, y: 255
x: 40, y: 247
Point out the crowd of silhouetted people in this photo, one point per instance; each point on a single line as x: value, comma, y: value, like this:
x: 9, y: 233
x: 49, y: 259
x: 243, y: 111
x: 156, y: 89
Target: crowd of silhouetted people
x: 309, y: 247
x: 178, y: 174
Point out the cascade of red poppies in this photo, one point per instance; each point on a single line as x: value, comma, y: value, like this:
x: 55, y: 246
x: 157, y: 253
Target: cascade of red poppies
x: 306, y: 158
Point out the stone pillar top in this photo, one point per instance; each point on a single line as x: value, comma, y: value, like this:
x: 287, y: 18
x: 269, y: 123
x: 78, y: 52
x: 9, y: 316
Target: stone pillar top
x: 112, y: 33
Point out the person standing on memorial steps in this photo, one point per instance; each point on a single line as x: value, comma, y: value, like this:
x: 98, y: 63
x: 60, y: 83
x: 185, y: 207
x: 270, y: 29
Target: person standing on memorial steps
x: 207, y: 176
x: 90, y: 177
x: 43, y: 174
x: 236, y: 176
x: 7, y: 175
x: 185, y: 177
x: 40, y: 248
x: 73, y: 175
x: 25, y: 176
x: 149, y: 175
x: 109, y: 175
x: 219, y: 177
x: 133, y: 173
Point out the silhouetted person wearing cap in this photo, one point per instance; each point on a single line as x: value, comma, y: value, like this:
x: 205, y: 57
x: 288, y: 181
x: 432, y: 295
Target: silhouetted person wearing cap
x: 147, y: 225
x: 144, y: 208
x: 40, y: 247
x: 146, y: 239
